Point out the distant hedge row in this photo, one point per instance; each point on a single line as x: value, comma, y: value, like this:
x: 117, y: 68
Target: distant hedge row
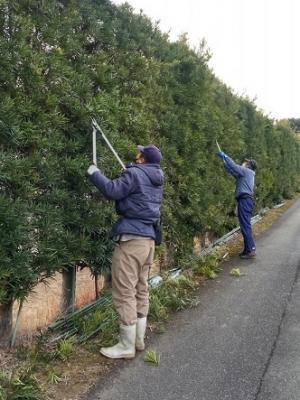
x: 65, y: 61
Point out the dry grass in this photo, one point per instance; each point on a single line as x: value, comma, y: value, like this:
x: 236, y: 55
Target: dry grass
x: 78, y: 375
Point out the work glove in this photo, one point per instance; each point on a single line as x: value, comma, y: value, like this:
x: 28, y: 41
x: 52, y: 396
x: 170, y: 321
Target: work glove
x: 222, y: 155
x: 92, y: 168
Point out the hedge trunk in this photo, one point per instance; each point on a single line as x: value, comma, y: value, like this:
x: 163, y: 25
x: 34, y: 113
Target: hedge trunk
x: 5, y: 323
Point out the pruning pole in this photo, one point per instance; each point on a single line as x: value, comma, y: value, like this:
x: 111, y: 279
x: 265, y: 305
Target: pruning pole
x: 94, y: 133
x: 96, y: 286
x: 97, y: 127
x: 14, y: 335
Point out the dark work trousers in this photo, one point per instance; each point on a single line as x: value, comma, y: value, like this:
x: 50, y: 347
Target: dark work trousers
x: 245, y: 208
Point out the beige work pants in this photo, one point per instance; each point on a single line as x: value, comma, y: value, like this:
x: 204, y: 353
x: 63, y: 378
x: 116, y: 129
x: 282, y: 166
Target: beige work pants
x: 131, y: 263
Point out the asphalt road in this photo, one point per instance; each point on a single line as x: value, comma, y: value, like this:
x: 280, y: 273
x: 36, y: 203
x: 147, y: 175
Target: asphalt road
x: 241, y: 343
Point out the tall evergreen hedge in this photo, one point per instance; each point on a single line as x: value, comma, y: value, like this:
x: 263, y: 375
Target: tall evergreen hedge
x: 65, y: 61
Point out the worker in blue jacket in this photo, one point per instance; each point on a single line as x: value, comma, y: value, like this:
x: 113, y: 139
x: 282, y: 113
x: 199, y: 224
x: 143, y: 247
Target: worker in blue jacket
x: 138, y: 195
x: 244, y: 193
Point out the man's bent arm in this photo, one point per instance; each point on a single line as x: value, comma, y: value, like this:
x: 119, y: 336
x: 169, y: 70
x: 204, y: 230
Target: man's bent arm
x: 115, y: 189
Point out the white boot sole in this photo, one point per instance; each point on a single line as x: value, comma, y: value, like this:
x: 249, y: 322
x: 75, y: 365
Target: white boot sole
x: 130, y: 355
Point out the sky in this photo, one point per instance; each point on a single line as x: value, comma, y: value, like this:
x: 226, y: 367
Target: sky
x: 255, y: 44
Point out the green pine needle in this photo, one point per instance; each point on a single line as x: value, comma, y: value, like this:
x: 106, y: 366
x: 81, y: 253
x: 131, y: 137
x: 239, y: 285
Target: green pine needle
x: 152, y: 357
x: 236, y: 272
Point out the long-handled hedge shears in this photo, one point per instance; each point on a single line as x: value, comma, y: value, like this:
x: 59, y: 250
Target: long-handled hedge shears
x: 96, y: 128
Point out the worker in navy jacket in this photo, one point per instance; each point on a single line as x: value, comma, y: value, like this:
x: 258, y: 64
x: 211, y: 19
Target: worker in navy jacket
x: 138, y: 195
x: 244, y: 193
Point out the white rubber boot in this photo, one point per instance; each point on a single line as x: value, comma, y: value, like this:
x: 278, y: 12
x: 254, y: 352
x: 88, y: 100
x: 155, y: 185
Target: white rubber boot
x: 140, y: 333
x: 126, y: 346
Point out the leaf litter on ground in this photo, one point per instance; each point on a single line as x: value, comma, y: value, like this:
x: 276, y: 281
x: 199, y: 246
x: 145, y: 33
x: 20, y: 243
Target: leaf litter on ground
x: 236, y: 272
x: 152, y: 357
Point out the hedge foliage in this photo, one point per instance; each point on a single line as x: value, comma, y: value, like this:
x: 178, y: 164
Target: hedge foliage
x: 63, y: 62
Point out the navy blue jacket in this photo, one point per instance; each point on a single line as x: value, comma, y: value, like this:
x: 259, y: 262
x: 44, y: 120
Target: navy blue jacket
x: 244, y: 177
x: 138, y: 194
